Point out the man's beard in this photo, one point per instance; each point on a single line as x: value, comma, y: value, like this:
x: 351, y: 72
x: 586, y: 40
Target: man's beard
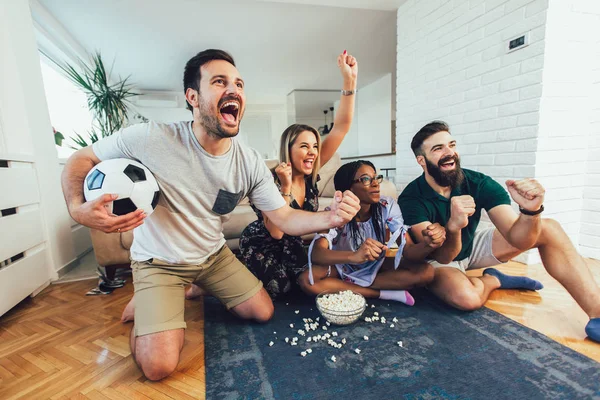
x: 452, y: 178
x: 211, y: 122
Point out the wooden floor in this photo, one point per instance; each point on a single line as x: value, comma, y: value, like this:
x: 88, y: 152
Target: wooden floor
x: 62, y: 344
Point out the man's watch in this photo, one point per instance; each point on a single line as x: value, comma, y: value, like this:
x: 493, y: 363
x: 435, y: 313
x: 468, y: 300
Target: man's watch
x: 527, y: 212
x: 348, y: 92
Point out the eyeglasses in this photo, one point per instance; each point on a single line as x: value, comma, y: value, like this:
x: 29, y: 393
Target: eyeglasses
x: 368, y: 181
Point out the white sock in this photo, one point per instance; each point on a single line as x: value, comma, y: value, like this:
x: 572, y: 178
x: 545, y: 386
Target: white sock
x: 397, y: 295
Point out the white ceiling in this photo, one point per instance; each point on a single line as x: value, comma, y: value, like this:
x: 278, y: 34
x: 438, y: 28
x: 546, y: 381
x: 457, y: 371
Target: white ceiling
x: 278, y: 45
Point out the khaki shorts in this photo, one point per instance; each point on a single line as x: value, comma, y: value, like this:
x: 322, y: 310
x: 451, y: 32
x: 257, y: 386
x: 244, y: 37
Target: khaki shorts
x: 481, y: 256
x: 159, y: 288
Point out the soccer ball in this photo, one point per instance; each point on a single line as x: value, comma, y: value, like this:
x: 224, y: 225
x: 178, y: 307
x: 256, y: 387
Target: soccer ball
x: 130, y: 180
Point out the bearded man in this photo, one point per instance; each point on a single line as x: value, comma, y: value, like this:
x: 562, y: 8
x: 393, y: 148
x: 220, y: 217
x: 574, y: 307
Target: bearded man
x: 443, y: 207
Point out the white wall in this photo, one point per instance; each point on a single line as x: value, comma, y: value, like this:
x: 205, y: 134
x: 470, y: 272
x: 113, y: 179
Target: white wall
x: 374, y: 112
x: 27, y: 130
x: 566, y: 114
x: 370, y: 132
x: 585, y: 16
x: 527, y: 113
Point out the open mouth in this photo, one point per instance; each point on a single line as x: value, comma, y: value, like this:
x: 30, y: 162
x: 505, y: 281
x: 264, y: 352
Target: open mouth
x: 229, y: 112
x: 308, y: 163
x: 448, y: 164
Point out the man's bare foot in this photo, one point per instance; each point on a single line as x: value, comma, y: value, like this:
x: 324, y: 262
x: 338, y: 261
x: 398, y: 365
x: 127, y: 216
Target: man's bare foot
x: 195, y: 291
x: 129, y: 311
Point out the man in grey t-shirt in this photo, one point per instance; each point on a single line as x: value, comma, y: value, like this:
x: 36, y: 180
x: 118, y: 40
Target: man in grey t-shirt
x: 203, y: 172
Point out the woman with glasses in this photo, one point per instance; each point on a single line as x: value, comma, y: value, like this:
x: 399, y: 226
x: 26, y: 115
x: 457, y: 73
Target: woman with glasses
x: 357, y: 250
x: 274, y: 257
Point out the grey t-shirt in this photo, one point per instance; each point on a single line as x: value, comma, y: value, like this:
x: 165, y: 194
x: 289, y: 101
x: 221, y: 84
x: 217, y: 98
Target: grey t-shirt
x: 198, y: 190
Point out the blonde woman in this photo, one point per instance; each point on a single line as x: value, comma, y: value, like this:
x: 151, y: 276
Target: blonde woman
x: 274, y: 257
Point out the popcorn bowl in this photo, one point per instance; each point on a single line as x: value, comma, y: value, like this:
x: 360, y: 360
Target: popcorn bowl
x: 341, y: 307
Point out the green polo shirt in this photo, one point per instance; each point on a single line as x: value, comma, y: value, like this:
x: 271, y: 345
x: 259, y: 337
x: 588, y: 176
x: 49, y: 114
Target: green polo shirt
x: 420, y: 203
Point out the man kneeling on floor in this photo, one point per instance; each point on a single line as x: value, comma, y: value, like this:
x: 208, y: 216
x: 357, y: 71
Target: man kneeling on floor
x: 202, y: 174
x: 453, y: 197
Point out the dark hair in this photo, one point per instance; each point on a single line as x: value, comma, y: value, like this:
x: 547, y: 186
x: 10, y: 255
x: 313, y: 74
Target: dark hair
x: 191, y: 73
x: 428, y: 130
x: 342, y: 181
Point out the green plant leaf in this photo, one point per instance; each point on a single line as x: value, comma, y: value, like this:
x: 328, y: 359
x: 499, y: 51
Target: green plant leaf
x: 107, y: 102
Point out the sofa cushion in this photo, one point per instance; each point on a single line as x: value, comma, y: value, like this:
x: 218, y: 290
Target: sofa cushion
x: 327, y: 171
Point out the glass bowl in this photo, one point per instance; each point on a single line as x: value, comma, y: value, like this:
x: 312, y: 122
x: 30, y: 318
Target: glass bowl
x: 340, y: 317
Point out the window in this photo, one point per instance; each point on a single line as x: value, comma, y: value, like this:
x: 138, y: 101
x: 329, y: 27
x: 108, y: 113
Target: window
x: 67, y: 106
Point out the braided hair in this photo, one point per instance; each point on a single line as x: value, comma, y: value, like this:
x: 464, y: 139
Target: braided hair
x: 343, y: 181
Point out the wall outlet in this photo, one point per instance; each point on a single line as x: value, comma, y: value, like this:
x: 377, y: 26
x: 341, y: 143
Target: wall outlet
x: 518, y: 42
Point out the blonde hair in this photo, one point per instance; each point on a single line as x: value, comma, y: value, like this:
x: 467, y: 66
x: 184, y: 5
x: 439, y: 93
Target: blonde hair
x: 288, y: 137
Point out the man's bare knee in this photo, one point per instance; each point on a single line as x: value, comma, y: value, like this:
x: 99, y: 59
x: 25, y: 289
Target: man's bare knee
x: 466, y: 300
x: 552, y: 231
x: 157, y: 354
x: 160, y: 368
x: 259, y: 307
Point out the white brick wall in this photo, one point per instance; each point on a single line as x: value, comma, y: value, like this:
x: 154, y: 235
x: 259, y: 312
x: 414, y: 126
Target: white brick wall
x: 566, y: 115
x: 589, y: 235
x: 515, y: 115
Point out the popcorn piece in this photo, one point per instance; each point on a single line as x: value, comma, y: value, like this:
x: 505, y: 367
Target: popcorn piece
x: 287, y: 339
x: 372, y: 305
x: 375, y: 313
x: 400, y: 343
x: 333, y: 333
x: 324, y: 328
x: 327, y: 323
x: 271, y: 344
x: 333, y: 358
x: 392, y: 325
x: 292, y: 326
x: 274, y: 333
x: 344, y: 340
x: 395, y: 319
x: 366, y: 337
x: 294, y: 344
x: 303, y: 353
x: 309, y: 339
x: 309, y: 351
x: 297, y: 311
x: 357, y: 351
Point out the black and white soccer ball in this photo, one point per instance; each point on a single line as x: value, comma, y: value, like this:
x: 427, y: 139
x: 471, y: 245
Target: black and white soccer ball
x: 130, y: 180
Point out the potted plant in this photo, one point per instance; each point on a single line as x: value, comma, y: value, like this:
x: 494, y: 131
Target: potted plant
x: 107, y: 102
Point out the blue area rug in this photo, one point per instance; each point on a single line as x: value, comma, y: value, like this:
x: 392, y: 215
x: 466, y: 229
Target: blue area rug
x: 446, y: 354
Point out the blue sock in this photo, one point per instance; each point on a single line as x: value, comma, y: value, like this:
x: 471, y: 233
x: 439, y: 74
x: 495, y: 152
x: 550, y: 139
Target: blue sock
x: 514, y: 282
x: 593, y: 329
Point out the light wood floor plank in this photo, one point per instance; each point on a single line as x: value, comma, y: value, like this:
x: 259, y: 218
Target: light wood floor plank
x: 64, y: 345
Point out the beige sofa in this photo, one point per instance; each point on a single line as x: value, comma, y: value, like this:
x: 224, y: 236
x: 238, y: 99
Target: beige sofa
x: 112, y: 249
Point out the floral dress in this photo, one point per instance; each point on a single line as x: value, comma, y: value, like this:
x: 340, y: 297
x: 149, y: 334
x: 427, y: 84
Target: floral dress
x: 277, y: 263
